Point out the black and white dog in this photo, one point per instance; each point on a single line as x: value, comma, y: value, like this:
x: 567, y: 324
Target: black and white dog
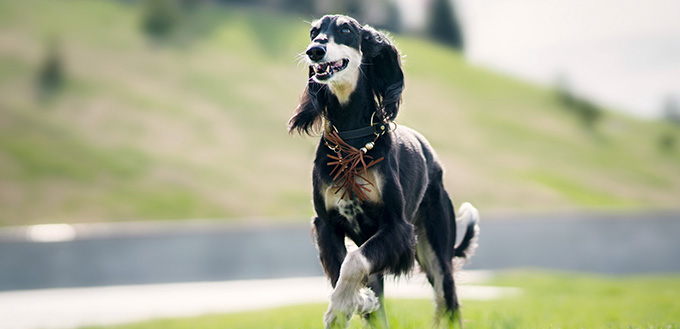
x: 377, y: 184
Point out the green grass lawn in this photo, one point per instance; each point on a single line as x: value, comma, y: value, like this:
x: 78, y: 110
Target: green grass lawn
x: 549, y: 300
x: 195, y: 127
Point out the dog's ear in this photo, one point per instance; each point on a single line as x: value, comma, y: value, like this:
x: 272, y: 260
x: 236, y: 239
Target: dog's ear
x: 308, y: 114
x: 382, y: 64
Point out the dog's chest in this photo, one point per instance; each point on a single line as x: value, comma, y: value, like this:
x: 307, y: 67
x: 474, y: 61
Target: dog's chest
x: 351, y: 210
x: 335, y: 198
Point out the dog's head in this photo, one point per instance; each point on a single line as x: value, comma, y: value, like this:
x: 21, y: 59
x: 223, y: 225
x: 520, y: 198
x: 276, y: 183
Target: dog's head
x: 340, y: 53
x: 334, y: 54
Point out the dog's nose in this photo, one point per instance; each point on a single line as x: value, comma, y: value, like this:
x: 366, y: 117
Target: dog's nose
x: 316, y: 53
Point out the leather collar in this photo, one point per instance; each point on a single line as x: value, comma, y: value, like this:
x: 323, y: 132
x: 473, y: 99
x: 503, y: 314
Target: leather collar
x: 375, y: 129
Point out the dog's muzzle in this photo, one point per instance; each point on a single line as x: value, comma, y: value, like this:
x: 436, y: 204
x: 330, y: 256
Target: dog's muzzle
x: 324, y: 70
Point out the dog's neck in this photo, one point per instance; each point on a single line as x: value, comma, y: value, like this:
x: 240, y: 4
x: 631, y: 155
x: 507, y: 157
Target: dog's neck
x: 343, y: 88
x: 355, y: 111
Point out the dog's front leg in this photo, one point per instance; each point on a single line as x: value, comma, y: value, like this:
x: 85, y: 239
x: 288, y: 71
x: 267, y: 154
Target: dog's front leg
x: 391, y: 250
x: 331, y: 245
x: 351, y: 295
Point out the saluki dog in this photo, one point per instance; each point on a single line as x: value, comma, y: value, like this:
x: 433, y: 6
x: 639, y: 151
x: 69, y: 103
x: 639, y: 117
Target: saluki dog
x: 376, y: 183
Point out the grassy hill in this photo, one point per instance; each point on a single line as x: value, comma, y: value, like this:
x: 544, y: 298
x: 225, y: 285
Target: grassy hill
x: 195, y: 126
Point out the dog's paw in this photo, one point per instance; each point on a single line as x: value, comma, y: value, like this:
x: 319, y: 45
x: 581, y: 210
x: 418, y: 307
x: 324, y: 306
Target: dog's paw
x: 366, y: 301
x: 335, y: 319
x: 341, y: 310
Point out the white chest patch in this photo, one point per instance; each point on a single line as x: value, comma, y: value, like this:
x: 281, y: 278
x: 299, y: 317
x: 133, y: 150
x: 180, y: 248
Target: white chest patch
x: 349, y: 209
x: 332, y: 195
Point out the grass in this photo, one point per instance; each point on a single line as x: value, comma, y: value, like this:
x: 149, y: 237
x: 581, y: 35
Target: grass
x: 549, y: 300
x: 195, y: 126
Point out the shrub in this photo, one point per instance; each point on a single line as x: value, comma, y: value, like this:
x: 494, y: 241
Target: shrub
x: 50, y: 76
x: 587, y: 112
x: 666, y: 142
x: 160, y: 17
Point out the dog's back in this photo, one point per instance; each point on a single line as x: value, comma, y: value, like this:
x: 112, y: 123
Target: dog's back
x: 417, y: 163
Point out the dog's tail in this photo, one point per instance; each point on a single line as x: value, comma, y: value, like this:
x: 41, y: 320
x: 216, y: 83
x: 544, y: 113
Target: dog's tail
x: 466, y: 248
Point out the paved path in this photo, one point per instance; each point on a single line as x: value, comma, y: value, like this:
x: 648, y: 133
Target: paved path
x: 75, y: 307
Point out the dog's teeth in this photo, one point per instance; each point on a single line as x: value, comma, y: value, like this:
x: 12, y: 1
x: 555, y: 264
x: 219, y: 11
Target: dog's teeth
x: 321, y: 68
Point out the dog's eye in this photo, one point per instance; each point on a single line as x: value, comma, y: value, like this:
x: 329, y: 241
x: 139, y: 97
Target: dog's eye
x: 345, y: 29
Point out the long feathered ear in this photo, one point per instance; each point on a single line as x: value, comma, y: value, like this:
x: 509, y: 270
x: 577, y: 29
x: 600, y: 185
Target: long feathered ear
x: 312, y: 107
x: 382, y: 63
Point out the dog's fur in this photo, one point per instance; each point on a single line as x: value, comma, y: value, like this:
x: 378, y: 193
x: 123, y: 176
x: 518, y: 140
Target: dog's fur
x: 407, y: 214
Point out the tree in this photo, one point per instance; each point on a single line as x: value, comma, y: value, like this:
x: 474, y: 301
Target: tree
x: 443, y: 24
x: 671, y: 110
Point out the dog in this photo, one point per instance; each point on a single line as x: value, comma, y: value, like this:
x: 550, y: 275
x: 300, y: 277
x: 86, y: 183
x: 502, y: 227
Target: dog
x: 375, y: 183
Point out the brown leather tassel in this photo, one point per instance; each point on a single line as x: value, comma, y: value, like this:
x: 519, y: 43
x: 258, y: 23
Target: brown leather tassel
x: 350, y: 168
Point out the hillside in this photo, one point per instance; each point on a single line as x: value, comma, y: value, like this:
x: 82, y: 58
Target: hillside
x: 195, y: 126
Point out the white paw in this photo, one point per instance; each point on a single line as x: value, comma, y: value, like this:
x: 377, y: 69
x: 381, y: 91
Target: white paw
x: 367, y: 302
x: 340, y: 311
x: 334, y: 319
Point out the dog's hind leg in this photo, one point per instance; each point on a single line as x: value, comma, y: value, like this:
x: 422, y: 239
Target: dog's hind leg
x: 447, y: 312
x: 377, y: 319
x: 435, y: 252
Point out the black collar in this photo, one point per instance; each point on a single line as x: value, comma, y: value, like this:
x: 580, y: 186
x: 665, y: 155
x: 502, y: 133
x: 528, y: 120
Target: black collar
x: 375, y: 129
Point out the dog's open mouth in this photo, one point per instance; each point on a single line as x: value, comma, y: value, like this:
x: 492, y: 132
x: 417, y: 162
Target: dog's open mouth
x: 326, y: 70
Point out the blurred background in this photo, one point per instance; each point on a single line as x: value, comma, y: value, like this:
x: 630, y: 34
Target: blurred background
x: 152, y: 119
x: 168, y: 109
